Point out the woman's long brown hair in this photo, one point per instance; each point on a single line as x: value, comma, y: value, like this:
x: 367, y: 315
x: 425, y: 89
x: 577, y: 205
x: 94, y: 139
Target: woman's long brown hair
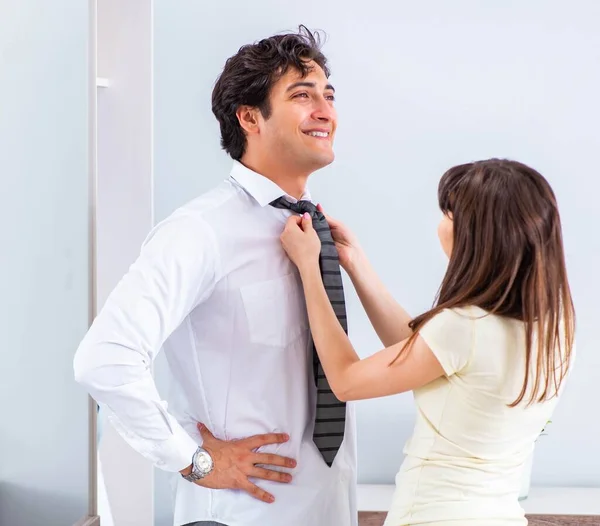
x: 508, y: 259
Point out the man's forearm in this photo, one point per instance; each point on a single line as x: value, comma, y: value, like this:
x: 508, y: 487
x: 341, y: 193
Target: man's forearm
x: 119, y: 378
x: 388, y: 318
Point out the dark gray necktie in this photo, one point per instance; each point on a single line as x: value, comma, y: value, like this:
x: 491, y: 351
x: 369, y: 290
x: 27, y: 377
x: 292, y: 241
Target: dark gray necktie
x: 331, y: 413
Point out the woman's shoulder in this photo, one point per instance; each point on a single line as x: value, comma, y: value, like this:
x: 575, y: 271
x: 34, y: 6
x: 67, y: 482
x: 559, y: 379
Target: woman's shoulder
x: 464, y: 315
x: 471, y: 319
x: 471, y: 312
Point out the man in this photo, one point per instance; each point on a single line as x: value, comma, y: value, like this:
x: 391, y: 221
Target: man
x: 214, y: 289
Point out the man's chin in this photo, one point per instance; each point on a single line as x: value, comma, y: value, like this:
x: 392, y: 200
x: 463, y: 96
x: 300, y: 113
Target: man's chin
x: 324, y: 160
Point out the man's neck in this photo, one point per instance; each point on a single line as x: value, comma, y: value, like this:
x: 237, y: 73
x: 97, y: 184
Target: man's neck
x: 292, y: 182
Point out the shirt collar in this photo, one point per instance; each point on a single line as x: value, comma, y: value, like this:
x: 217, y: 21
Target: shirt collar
x: 262, y: 189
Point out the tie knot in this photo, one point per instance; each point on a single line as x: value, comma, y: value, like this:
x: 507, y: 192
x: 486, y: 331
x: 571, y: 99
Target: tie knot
x: 300, y: 207
x: 305, y: 206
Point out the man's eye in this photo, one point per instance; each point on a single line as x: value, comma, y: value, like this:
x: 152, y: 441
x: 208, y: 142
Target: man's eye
x: 330, y: 97
x: 301, y: 95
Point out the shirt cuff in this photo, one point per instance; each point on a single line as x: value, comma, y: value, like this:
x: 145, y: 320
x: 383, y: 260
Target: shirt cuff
x: 175, y: 454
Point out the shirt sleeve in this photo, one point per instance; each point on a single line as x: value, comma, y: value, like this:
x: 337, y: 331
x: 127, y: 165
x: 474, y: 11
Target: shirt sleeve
x: 175, y: 271
x: 449, y: 335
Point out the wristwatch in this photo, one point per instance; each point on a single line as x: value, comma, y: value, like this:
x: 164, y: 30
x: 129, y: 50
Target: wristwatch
x: 202, y: 465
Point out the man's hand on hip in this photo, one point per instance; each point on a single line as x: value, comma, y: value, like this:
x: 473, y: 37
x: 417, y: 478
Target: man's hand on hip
x: 236, y: 460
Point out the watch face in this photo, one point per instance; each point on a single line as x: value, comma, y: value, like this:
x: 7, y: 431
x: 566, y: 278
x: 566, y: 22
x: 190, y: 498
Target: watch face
x: 203, y: 462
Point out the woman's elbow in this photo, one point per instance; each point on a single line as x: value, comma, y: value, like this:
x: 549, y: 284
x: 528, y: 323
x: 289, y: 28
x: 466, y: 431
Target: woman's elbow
x: 342, y: 393
x: 344, y: 385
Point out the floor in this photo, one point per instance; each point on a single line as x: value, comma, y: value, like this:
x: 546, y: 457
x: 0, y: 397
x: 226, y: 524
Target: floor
x: 376, y: 519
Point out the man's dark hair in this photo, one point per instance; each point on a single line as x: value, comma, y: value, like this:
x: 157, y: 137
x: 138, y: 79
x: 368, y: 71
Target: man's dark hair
x: 248, y: 76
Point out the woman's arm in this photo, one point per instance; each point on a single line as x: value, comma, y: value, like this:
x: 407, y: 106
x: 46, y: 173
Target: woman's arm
x: 388, y: 318
x: 350, y: 377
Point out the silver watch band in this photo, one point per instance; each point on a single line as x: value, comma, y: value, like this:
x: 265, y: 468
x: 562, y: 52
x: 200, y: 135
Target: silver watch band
x: 202, y: 465
x: 192, y: 477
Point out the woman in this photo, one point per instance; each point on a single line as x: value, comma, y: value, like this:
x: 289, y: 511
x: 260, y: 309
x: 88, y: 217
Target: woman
x: 486, y: 364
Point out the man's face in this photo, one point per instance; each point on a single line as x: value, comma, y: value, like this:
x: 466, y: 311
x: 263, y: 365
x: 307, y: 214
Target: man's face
x: 303, y: 120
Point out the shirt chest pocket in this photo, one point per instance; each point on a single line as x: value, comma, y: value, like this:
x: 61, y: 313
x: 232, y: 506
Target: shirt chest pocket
x: 275, y: 311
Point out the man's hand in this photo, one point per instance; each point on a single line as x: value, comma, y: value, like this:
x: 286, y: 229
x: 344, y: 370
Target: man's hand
x: 236, y: 460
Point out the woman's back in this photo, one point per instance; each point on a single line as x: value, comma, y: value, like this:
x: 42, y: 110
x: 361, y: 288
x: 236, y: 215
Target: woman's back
x: 465, y: 458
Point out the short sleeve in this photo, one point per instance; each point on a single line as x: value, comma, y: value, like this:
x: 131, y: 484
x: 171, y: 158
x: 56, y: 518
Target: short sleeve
x: 449, y: 335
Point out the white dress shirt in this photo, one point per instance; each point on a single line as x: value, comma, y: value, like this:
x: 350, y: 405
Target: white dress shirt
x: 215, y: 290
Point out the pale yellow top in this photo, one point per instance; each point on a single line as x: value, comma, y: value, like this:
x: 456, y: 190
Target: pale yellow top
x: 464, y: 461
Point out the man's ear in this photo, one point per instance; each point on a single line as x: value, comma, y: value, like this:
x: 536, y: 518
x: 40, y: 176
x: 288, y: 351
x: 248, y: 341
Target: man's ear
x: 248, y: 117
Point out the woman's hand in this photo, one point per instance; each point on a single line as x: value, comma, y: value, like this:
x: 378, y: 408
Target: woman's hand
x: 346, y: 242
x: 301, y: 242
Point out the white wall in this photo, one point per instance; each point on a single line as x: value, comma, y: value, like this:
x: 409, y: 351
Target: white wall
x: 420, y: 87
x: 124, y: 213
x: 44, y: 278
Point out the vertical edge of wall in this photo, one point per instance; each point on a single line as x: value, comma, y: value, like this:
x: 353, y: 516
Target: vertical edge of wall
x: 93, y: 263
x: 124, y: 214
